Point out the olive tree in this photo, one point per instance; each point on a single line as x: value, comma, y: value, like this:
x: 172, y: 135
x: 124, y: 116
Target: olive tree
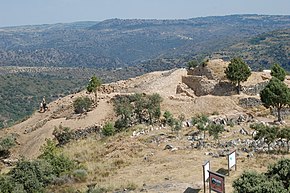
x: 284, y: 133
x: 237, y: 71
x: 268, y: 133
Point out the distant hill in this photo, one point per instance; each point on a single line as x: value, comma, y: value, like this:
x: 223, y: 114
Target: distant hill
x: 264, y: 50
x: 117, y: 43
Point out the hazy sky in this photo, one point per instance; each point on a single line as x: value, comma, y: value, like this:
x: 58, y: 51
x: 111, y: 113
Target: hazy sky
x: 28, y: 12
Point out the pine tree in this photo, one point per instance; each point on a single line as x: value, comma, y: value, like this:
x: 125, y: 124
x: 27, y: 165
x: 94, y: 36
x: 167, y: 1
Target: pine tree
x: 237, y: 71
x: 278, y: 72
x: 93, y: 86
x: 276, y: 95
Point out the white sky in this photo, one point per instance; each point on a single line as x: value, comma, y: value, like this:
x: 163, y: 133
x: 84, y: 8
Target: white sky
x: 29, y: 12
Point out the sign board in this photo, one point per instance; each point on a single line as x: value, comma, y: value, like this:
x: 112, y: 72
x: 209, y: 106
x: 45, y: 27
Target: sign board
x: 232, y: 161
x: 216, y: 182
x: 206, y: 168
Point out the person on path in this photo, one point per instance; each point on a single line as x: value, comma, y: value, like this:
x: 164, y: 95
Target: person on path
x: 44, y: 104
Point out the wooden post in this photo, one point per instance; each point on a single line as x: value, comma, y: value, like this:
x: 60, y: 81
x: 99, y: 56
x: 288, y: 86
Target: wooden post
x: 205, y: 168
x: 228, y: 164
x: 204, y: 185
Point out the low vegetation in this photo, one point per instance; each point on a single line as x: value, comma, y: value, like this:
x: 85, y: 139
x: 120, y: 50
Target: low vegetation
x: 82, y: 104
x: 137, y: 108
x: 52, y: 167
x: 203, y: 124
x: 271, y: 133
x: 6, y: 143
x: 276, y: 179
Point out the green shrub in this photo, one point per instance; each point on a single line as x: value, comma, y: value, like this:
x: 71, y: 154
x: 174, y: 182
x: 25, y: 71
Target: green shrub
x: 60, y: 163
x: 120, y: 124
x: 82, y: 104
x: 80, y: 175
x: 252, y: 182
x: 177, y: 125
x: 93, y: 189
x: 62, y: 134
x: 6, y: 143
x: 169, y: 120
x: 280, y: 171
x: 230, y: 123
x: 8, y: 185
x: 215, y: 130
x: 32, y: 175
x: 108, y: 129
x: 202, y: 119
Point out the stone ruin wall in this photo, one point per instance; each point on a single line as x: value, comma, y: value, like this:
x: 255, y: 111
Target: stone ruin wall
x: 210, y: 80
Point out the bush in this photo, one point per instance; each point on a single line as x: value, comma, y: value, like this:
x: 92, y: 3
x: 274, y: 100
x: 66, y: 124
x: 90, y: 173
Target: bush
x: 280, y: 171
x: 215, y: 130
x: 80, y: 175
x: 7, y: 185
x: 93, y: 189
x: 177, y: 125
x: 252, y: 182
x: 169, y: 120
x: 32, y: 175
x: 82, y: 104
x: 62, y: 134
x: 200, y: 119
x: 60, y: 163
x: 5, y: 144
x: 108, y: 129
x: 120, y: 124
x: 276, y: 179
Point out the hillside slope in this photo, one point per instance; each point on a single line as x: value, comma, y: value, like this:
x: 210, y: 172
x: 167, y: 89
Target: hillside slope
x: 264, y: 50
x: 118, y: 43
x: 140, y: 160
x: 33, y: 131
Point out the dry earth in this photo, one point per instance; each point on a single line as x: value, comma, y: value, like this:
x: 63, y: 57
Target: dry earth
x: 163, y: 170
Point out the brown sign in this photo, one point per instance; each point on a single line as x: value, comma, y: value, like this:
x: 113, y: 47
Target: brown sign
x: 216, y: 182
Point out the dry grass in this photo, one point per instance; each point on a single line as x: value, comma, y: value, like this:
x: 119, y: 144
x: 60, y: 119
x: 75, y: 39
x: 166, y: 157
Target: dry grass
x: 125, y: 162
x: 132, y: 163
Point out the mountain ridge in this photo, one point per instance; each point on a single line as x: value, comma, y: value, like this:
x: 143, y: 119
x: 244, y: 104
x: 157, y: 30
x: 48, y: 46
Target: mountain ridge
x: 117, y: 43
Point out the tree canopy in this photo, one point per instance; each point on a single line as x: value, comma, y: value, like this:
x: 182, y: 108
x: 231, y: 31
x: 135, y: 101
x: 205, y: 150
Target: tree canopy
x: 278, y: 72
x: 276, y: 179
x: 276, y: 95
x: 93, y: 86
x: 237, y: 71
x: 192, y: 64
